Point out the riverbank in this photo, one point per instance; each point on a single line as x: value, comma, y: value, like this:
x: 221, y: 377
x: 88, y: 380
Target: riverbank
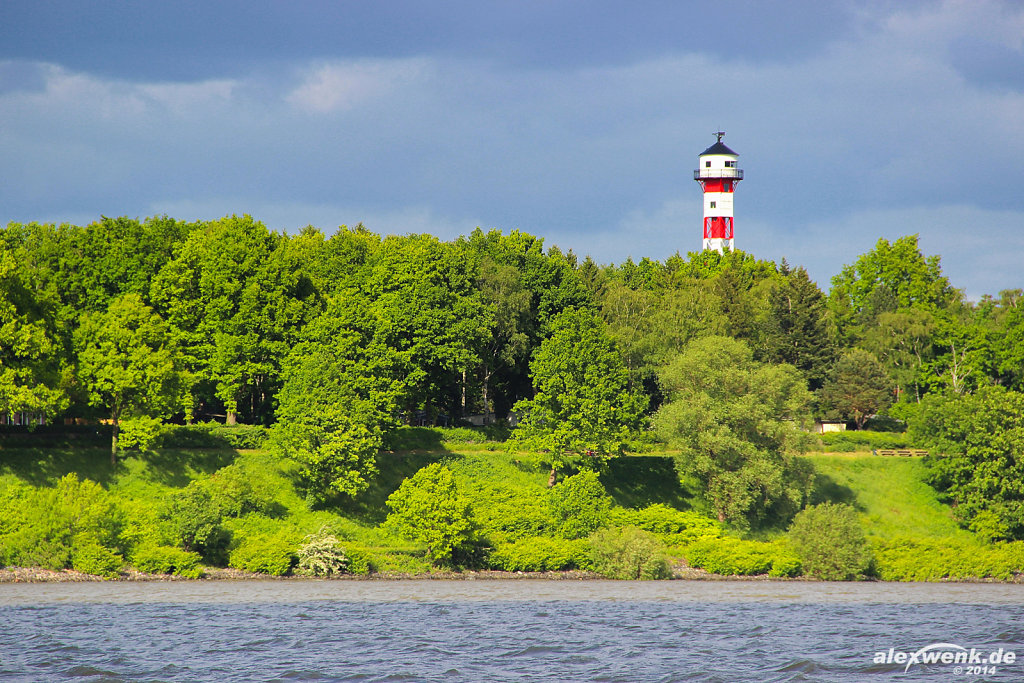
x: 39, y: 575
x: 679, y: 573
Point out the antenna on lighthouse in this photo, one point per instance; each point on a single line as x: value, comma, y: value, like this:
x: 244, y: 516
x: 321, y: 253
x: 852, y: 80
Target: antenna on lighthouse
x: 720, y: 134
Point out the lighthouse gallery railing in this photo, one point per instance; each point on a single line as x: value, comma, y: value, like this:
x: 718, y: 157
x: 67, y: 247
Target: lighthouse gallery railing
x: 736, y: 173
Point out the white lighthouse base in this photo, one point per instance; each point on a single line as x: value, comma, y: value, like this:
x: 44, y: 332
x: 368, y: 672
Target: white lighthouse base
x: 718, y: 244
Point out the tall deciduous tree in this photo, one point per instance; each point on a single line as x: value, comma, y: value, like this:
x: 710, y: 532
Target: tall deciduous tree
x: 339, y: 400
x: 737, y: 423
x: 891, y: 276
x: 583, y: 404
x: 128, y: 364
x: 901, y: 340
x: 977, y: 441
x: 858, y: 388
x: 30, y: 359
x: 508, y: 302
x: 235, y: 296
x: 427, y: 309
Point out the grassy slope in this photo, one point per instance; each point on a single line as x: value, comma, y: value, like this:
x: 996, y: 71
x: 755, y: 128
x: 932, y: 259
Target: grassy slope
x: 889, y: 492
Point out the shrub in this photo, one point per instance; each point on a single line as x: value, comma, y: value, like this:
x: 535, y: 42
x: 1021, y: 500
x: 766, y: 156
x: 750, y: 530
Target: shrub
x: 848, y: 442
x: 233, y: 493
x: 830, y: 542
x: 212, y: 435
x: 506, y: 512
x: 904, y: 559
x: 676, y: 527
x: 322, y: 555
x: 736, y: 557
x: 579, y: 505
x: 541, y: 554
x: 139, y: 432
x: 39, y: 526
x: 785, y: 562
x: 360, y: 560
x: 274, y: 555
x: 89, y: 557
x: 194, y: 520
x: 427, y: 507
x: 629, y: 553
x: 162, y: 559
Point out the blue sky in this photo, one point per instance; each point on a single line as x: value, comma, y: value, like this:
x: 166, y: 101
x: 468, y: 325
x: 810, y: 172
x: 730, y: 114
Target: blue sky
x: 577, y: 121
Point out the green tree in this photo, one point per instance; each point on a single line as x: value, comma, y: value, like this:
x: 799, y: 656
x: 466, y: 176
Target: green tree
x: 339, y: 400
x: 858, y: 388
x: 579, y: 505
x: 794, y: 328
x: 963, y: 352
x: 583, y: 405
x: 891, y: 276
x: 508, y: 302
x: 1010, y: 348
x: 428, y: 310
x: 737, y: 423
x: 30, y: 354
x: 976, y: 441
x: 235, y: 296
x: 428, y: 508
x: 830, y: 542
x: 902, y: 341
x: 128, y: 364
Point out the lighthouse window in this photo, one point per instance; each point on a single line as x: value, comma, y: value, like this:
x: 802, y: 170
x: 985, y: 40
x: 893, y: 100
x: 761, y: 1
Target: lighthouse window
x: 707, y: 164
x: 730, y: 164
x: 713, y: 204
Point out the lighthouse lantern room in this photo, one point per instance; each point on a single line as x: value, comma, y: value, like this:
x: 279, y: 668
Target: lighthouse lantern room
x: 717, y: 174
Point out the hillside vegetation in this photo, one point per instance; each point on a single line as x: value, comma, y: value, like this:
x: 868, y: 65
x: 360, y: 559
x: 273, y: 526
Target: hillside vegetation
x: 265, y: 398
x: 145, y: 514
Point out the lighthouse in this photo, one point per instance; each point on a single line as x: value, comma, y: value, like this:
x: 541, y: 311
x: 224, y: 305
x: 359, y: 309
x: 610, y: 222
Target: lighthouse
x: 718, y: 175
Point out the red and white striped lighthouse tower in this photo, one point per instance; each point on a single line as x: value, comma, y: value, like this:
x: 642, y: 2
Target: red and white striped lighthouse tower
x: 718, y: 175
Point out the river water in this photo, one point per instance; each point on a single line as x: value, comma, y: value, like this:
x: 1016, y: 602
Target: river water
x: 509, y: 630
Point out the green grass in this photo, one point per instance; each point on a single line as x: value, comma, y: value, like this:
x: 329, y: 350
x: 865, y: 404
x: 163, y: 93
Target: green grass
x: 890, y: 494
x: 508, y: 492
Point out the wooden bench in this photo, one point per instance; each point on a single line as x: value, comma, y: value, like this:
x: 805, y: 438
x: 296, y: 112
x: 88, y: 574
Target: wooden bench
x: 901, y: 452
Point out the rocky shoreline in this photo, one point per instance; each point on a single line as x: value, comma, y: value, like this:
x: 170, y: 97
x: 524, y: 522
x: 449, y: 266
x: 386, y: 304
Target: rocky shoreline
x: 38, y: 575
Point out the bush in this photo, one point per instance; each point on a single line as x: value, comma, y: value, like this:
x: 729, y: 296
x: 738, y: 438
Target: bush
x: 849, y: 442
x: 162, y: 559
x: 506, y: 512
x: 89, y: 557
x: 139, y: 433
x: 212, y: 435
x: 194, y: 520
x: 322, y: 555
x: 904, y: 559
x: 40, y: 527
x: 629, y: 553
x: 830, y: 542
x: 541, y: 554
x: 676, y: 527
x: 737, y: 557
x: 233, y: 493
x: 274, y: 555
x: 579, y: 505
x: 427, y: 507
x: 360, y: 560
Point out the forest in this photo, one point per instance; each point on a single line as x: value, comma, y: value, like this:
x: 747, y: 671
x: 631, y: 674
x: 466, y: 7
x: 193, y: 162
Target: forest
x: 329, y: 352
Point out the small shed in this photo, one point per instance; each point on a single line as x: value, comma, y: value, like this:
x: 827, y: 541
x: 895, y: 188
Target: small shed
x: 825, y: 426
